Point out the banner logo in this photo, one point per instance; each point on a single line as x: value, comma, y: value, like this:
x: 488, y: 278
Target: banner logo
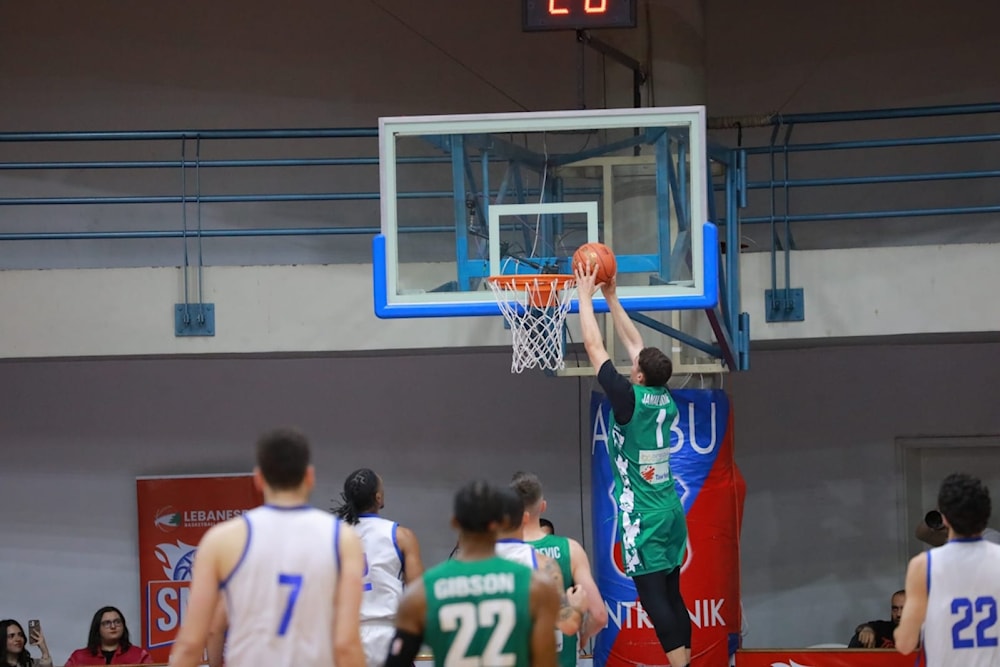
x: 177, y: 560
x: 167, y: 519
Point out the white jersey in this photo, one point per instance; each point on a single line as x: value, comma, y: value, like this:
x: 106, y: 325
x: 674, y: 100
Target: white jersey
x: 280, y: 595
x: 961, y: 628
x: 383, y: 581
x: 517, y: 551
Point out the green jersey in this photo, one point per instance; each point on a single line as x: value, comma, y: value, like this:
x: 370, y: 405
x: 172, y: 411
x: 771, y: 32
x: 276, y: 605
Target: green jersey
x: 650, y: 514
x: 556, y: 547
x: 478, y: 613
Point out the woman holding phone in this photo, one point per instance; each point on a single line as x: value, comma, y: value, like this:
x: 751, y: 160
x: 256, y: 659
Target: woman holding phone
x: 14, y: 652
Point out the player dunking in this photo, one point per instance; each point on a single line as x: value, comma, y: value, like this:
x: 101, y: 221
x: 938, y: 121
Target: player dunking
x: 392, y: 557
x: 650, y: 515
x: 477, y: 609
x: 953, y: 591
x: 291, y: 574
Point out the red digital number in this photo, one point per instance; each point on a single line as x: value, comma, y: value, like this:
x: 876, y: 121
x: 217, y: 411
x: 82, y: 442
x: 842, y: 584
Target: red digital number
x: 589, y: 7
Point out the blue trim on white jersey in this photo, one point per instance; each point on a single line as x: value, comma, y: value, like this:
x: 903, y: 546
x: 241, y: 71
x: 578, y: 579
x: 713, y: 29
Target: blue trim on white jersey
x: 246, y: 549
x: 534, y: 559
x: 336, y: 542
x: 399, y: 552
x: 369, y: 515
x: 511, y: 540
x: 966, y: 539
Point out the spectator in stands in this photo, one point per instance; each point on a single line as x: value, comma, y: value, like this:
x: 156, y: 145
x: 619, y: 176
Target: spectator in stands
x: 878, y: 634
x: 108, y: 643
x: 14, y: 653
x: 931, y: 530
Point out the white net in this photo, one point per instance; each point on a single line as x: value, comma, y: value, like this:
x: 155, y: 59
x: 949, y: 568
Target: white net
x: 536, y: 309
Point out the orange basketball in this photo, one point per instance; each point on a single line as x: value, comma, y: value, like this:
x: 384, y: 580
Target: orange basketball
x: 600, y: 255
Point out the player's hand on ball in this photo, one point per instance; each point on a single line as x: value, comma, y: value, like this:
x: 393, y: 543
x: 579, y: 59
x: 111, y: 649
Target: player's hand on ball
x: 586, y: 279
x: 609, y: 288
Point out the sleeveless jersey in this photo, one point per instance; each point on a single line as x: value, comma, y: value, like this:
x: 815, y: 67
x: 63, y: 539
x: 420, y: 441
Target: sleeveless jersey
x: 383, y: 579
x: 517, y: 551
x: 478, y: 612
x: 650, y: 515
x: 961, y: 627
x: 280, y: 594
x: 556, y: 547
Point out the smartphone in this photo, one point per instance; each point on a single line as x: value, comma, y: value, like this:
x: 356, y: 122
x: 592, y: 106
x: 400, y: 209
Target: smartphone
x: 34, y: 627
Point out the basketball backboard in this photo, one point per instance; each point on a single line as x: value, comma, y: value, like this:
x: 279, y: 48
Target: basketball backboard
x: 465, y: 197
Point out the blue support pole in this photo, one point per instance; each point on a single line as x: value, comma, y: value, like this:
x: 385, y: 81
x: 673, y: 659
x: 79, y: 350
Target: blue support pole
x: 461, y: 231
x: 473, y: 196
x: 663, y: 169
x: 559, y: 221
x: 788, y: 225
x: 723, y: 306
x: 482, y: 244
x: 682, y: 189
x: 774, y: 234
x: 885, y: 143
x: 685, y: 338
x: 734, y: 201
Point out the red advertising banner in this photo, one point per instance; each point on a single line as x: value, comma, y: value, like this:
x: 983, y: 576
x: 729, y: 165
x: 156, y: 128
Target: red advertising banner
x: 174, y: 514
x: 823, y: 658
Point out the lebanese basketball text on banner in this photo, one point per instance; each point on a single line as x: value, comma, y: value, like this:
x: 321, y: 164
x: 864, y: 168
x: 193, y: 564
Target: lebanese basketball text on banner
x: 712, y: 492
x: 174, y: 514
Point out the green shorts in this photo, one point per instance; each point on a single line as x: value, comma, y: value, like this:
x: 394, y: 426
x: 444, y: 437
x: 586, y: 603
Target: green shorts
x: 659, y: 543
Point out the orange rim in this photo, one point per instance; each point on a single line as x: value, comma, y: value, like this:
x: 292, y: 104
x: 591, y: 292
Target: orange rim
x: 539, y: 286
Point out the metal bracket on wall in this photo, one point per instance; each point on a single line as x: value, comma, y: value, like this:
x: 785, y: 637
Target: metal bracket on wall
x: 787, y: 304
x: 194, y: 319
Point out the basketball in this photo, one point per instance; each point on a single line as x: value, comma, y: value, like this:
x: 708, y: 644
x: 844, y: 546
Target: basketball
x: 600, y: 255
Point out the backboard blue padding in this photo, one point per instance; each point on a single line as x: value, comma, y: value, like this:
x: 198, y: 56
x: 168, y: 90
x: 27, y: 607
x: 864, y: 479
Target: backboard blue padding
x: 708, y: 299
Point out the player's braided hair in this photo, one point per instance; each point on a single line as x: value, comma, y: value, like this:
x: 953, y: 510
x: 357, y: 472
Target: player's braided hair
x: 359, y: 492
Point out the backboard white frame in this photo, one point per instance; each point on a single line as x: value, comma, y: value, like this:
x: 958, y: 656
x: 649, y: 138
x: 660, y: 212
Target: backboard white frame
x: 497, y: 211
x: 391, y: 128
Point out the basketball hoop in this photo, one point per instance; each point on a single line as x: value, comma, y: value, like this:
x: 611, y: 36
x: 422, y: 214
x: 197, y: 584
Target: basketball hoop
x: 535, y: 306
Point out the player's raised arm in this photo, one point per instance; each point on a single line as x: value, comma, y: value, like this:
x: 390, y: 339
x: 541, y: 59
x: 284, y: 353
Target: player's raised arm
x: 347, y: 650
x: 544, y: 603
x: 625, y: 328
x: 593, y: 340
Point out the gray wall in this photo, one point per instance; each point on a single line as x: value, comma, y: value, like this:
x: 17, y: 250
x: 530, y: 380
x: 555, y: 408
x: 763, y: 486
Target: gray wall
x: 798, y: 57
x: 815, y: 427
x: 815, y: 434
x: 76, y: 434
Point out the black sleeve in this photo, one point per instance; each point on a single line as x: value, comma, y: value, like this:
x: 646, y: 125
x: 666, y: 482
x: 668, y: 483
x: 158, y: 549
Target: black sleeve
x: 403, y: 649
x: 619, y: 391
